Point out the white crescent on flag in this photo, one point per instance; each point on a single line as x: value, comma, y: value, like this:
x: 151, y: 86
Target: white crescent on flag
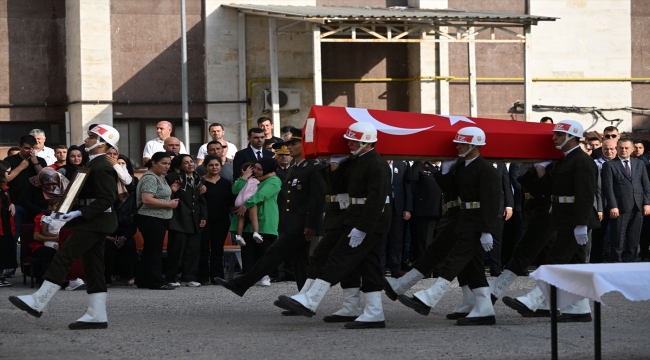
x: 362, y: 115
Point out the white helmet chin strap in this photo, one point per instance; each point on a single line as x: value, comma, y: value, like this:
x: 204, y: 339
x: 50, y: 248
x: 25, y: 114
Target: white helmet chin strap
x: 94, y: 146
x: 568, y: 137
x: 471, y: 147
x: 361, y: 146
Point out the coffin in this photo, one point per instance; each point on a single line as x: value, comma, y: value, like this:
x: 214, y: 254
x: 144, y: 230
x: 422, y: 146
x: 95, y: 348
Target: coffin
x: 412, y: 136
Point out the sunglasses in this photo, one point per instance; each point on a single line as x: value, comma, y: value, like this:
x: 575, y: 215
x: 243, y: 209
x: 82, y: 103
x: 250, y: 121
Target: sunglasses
x: 610, y: 136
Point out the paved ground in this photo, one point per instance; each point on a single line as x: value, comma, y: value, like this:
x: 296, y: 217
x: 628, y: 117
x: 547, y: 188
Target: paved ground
x: 212, y: 323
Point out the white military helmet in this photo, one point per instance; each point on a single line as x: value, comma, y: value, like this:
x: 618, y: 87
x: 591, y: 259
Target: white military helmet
x: 571, y: 127
x: 470, y: 135
x: 361, y: 131
x: 107, y: 133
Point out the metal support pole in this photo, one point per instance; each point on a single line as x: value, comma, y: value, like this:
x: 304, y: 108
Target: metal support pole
x: 597, y: 339
x: 243, y: 116
x: 471, y: 54
x: 528, y: 78
x: 443, y: 70
x: 275, y: 98
x: 318, y: 75
x: 68, y: 134
x: 553, y: 322
x: 186, y: 115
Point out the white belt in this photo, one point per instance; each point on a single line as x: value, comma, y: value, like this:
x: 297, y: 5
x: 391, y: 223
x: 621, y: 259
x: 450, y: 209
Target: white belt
x: 451, y: 204
x: 84, y: 202
x: 563, y: 199
x: 470, y: 205
x: 361, y: 201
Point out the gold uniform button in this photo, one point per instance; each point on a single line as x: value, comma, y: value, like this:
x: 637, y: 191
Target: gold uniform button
x: 287, y: 210
x: 288, y: 191
x: 288, y: 200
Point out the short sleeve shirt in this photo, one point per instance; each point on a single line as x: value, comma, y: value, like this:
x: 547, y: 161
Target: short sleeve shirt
x: 152, y: 184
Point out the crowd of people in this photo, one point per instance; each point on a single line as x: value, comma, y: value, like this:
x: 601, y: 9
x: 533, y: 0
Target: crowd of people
x: 381, y: 224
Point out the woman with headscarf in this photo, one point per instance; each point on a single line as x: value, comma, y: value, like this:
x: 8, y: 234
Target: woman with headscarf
x: 75, y: 158
x: 187, y: 223
x: 47, y: 184
x: 120, y: 252
x: 268, y: 215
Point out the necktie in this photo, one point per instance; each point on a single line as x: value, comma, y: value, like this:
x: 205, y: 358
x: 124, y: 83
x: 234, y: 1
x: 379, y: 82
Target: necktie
x: 190, y: 181
x: 627, y: 168
x: 259, y: 155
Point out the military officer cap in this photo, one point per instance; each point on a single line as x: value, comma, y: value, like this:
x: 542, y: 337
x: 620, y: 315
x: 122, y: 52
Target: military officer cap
x: 296, y: 135
x: 281, y: 148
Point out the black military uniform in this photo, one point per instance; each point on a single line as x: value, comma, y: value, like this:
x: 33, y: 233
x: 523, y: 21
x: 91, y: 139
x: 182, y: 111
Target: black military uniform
x: 184, y: 244
x: 477, y: 182
x: 304, y: 209
x: 369, y: 179
x: 90, y: 229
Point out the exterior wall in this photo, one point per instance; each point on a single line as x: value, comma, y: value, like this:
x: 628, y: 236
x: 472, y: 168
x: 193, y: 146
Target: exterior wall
x: 641, y: 62
x: 494, y: 99
x: 32, y: 59
x: 146, y: 57
x: 573, y: 47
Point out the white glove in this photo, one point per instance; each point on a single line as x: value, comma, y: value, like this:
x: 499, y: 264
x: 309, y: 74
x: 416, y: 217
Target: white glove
x: 71, y: 215
x: 486, y: 241
x: 543, y: 164
x: 580, y: 232
x: 339, y: 159
x: 356, y: 237
x: 446, y: 166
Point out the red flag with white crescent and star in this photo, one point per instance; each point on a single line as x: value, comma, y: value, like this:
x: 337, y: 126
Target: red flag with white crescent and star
x: 404, y: 135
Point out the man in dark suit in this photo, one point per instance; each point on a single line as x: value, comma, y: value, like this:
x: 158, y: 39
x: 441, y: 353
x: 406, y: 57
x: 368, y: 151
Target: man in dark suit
x: 572, y: 184
x: 514, y: 228
x: 427, y: 206
x: 91, y: 223
x: 479, y: 192
x: 253, y: 152
x: 401, y: 200
x: 627, y: 190
x: 505, y: 208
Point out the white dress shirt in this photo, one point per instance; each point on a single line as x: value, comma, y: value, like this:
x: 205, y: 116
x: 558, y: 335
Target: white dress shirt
x: 230, y: 153
x: 47, y: 154
x: 155, y: 145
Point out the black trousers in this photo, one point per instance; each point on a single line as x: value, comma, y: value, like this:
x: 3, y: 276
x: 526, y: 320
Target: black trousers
x: 391, y: 244
x: 292, y: 247
x: 120, y: 261
x: 213, y: 238
x: 253, y: 252
x: 625, y: 233
x: 44, y: 254
x: 645, y: 238
x: 535, y: 239
x: 565, y: 250
x: 422, y: 231
x: 363, y: 259
x: 512, y: 231
x: 598, y: 237
x: 184, y: 250
x: 444, y: 241
x: 149, y: 271
x: 497, y: 242
x: 322, y: 252
x: 467, y: 258
x: 89, y: 245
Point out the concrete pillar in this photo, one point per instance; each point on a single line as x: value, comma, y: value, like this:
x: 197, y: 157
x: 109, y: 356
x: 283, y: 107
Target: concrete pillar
x: 88, y: 64
x: 429, y: 59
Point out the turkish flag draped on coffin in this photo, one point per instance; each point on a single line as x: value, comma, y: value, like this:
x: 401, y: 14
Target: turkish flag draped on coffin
x: 404, y: 135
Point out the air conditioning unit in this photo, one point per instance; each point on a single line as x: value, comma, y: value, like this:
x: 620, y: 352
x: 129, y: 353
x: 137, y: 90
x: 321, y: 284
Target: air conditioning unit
x: 288, y: 99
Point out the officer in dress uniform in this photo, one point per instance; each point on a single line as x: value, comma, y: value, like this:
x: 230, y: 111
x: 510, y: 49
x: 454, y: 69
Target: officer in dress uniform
x: 572, y: 184
x: 91, y: 222
x: 479, y: 191
x: 444, y: 241
x: 301, y: 220
x: 336, y: 175
x: 359, y: 247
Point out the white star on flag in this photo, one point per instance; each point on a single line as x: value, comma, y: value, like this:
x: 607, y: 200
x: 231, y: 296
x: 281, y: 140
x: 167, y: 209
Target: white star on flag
x: 454, y: 119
